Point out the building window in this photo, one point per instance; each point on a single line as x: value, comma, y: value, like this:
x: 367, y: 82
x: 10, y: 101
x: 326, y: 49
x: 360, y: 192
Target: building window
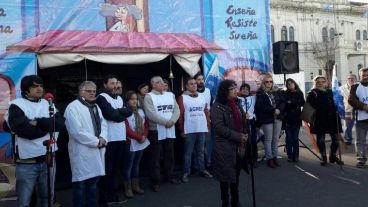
x: 357, y: 35
x: 284, y: 33
x: 364, y: 34
x: 332, y: 33
x: 319, y: 72
x: 291, y: 34
x: 324, y: 34
x: 272, y: 34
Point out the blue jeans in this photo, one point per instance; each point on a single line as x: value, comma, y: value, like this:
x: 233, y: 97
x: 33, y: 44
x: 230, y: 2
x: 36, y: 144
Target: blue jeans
x: 292, y: 142
x: 192, y: 140
x: 29, y: 176
x: 349, y: 130
x: 272, y: 133
x: 131, y: 161
x: 84, y: 193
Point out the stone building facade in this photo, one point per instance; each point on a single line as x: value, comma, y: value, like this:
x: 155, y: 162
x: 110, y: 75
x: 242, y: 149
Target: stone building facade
x: 325, y: 30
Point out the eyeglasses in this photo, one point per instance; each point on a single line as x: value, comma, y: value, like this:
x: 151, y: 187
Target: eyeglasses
x: 90, y: 91
x: 232, y: 88
x: 268, y: 81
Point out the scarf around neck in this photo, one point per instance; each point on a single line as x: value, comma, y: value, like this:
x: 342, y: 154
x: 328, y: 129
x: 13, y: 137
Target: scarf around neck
x: 236, y: 114
x: 95, y: 116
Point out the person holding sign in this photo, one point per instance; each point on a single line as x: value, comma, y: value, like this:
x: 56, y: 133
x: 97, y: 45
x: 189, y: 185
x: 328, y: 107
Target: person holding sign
x: 137, y: 130
x: 162, y: 112
x: 193, y: 124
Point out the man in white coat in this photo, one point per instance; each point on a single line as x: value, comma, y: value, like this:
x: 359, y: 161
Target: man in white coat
x: 87, y: 140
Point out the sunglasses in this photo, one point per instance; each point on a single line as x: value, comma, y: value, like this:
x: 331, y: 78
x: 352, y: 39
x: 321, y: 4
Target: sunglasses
x: 268, y: 81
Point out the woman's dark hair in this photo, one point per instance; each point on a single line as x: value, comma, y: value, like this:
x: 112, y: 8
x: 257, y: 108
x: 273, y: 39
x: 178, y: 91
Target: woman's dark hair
x: 187, y: 79
x: 108, y: 77
x: 142, y: 86
x: 223, y: 90
x: 28, y: 81
x: 197, y: 75
x: 128, y: 95
x: 293, y: 81
x: 245, y: 85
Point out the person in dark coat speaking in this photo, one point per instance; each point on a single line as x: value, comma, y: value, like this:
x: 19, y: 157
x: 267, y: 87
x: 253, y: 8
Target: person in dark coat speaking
x: 226, y: 118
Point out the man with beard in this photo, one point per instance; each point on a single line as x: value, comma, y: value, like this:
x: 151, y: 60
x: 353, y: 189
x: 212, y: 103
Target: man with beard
x: 115, y: 114
x: 358, y: 99
x: 209, y: 138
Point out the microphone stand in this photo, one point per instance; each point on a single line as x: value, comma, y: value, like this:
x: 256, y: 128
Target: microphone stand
x: 248, y: 127
x: 49, y: 154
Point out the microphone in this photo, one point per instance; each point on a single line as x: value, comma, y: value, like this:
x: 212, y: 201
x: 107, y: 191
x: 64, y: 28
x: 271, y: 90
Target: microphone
x: 49, y: 97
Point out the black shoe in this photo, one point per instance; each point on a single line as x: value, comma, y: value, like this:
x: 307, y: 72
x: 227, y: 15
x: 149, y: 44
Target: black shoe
x: 175, y: 181
x: 348, y: 143
x: 205, y: 174
x: 360, y: 165
x: 335, y: 159
x: 324, y: 160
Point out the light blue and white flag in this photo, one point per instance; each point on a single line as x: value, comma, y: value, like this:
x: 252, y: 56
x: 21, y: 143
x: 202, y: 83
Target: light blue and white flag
x: 338, y: 98
x: 213, y: 77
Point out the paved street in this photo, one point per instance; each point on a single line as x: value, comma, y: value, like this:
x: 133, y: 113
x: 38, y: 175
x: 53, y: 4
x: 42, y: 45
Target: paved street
x: 303, y: 184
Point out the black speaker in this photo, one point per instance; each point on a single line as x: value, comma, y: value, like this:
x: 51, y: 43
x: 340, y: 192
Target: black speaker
x: 285, y: 57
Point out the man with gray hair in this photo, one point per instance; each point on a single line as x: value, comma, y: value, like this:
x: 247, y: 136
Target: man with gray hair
x: 349, y: 121
x: 358, y: 99
x: 162, y: 112
x: 87, y: 140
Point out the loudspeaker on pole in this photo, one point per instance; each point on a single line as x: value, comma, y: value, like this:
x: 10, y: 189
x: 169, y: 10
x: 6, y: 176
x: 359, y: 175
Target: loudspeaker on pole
x: 285, y: 57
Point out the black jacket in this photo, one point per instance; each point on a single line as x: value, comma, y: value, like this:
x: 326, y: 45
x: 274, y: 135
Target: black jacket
x: 264, y: 110
x: 109, y: 113
x: 20, y: 124
x: 294, y: 100
x: 327, y: 119
x: 225, y: 165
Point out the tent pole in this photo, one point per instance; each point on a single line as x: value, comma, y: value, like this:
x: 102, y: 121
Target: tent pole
x: 85, y: 68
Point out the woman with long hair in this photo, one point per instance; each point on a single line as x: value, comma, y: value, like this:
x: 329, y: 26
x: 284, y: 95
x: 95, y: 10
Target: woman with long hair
x: 142, y: 91
x: 137, y: 131
x: 294, y: 99
x: 269, y: 110
x: 326, y: 120
x: 226, y: 117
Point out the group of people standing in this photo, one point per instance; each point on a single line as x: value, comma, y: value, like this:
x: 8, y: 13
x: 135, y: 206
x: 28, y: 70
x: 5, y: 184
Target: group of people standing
x: 109, y: 132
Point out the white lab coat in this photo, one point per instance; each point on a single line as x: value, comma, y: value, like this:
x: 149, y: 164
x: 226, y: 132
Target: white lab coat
x: 86, y: 159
